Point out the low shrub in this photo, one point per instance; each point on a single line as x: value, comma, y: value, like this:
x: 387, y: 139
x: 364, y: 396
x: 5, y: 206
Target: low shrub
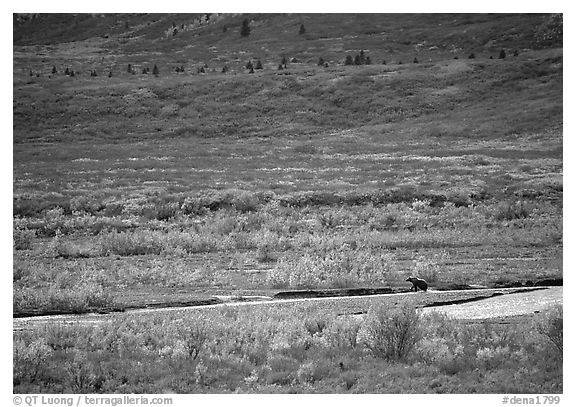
x: 392, y: 334
x: 71, y: 250
x: 513, y: 210
x: 30, y: 360
x: 22, y: 239
x: 130, y: 244
x: 87, y: 204
x: 85, y: 297
x: 332, y: 268
x: 551, y: 325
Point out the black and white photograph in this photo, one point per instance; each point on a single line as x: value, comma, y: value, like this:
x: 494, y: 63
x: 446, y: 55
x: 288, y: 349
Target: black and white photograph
x: 286, y: 203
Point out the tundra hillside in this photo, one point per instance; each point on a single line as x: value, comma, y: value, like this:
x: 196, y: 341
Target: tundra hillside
x: 174, y: 158
x: 132, y: 188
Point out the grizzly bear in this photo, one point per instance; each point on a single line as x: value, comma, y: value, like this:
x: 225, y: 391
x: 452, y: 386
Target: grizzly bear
x: 418, y: 283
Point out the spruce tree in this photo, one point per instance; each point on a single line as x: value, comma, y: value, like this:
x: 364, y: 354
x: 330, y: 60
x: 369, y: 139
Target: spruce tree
x: 54, y: 70
x: 368, y: 60
x: 249, y: 65
x: 321, y: 61
x: 129, y: 70
x: 362, y: 58
x: 471, y: 56
x: 357, y: 60
x: 502, y: 54
x: 416, y: 60
x: 259, y: 65
x: 302, y: 29
x: 245, y: 30
x: 284, y: 61
x: 349, y: 60
x: 155, y: 70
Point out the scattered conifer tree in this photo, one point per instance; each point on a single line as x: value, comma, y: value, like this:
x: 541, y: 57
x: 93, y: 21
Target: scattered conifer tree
x: 362, y: 58
x: 456, y: 57
x: 502, y: 54
x: 54, y: 70
x: 259, y: 65
x: 110, y: 74
x: 224, y: 69
x: 251, y: 70
x: 245, y: 30
x: 515, y: 52
x: 471, y: 56
x: 224, y: 29
x: 491, y: 57
x: 357, y: 60
x: 349, y: 60
x: 155, y: 70
x: 284, y: 62
x: 415, y: 60
x: 280, y: 67
x: 72, y: 74
x: 368, y: 61
x: 31, y: 74
x: 129, y: 69
x: 384, y: 62
x: 302, y: 29
x: 249, y: 65
x: 321, y: 61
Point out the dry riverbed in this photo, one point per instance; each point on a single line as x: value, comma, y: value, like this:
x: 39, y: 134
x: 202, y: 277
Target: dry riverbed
x: 474, y: 304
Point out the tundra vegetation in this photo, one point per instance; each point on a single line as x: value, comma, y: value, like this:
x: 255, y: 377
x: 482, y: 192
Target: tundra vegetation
x: 300, y: 349
x: 135, y: 189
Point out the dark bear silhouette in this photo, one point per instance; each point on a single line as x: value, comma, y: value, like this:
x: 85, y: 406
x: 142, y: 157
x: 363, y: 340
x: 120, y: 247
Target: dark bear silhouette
x: 418, y: 283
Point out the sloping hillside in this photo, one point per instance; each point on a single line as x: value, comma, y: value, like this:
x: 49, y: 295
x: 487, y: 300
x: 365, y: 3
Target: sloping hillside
x: 215, y: 38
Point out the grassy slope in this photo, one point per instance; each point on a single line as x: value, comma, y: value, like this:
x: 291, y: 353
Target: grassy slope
x: 135, y: 189
x: 472, y: 128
